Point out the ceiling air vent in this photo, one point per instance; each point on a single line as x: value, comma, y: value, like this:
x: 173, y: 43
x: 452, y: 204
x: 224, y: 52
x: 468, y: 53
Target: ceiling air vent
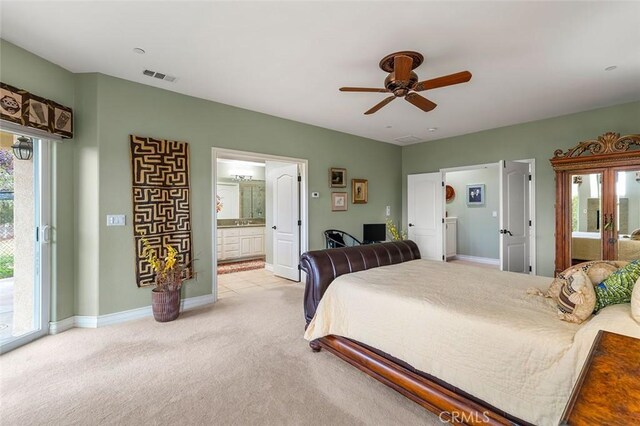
x: 159, y: 75
x: 407, y: 139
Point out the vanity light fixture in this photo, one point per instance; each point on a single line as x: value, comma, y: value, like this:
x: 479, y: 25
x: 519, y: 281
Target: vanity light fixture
x: 23, y: 148
x: 242, y: 178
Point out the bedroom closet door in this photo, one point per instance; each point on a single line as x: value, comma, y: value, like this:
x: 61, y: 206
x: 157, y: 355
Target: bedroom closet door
x: 514, y: 217
x: 425, y: 195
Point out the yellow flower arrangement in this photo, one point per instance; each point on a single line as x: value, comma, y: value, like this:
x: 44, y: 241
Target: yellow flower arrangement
x: 168, y: 270
x: 395, y: 234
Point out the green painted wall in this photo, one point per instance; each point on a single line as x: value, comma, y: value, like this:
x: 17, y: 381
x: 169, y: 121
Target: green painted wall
x: 125, y: 108
x: 477, y: 229
x: 537, y: 140
x: 27, y: 71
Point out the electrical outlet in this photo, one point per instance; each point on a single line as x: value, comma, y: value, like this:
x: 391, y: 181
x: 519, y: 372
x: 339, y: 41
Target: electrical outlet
x: 388, y: 210
x: 115, y: 220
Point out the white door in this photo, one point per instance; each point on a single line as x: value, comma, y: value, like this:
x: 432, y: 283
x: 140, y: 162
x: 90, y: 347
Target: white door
x: 424, y: 212
x: 286, y: 228
x: 514, y: 216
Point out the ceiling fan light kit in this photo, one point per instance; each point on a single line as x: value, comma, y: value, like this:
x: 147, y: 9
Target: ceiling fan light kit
x: 403, y: 82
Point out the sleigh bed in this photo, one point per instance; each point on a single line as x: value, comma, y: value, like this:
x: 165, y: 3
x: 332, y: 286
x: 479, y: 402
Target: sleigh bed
x: 465, y: 343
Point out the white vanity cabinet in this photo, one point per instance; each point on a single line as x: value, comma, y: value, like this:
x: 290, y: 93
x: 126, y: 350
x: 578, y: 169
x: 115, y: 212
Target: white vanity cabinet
x: 451, y: 235
x: 244, y: 241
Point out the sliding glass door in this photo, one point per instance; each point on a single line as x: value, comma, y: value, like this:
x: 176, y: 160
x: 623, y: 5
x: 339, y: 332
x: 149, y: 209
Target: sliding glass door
x: 24, y: 240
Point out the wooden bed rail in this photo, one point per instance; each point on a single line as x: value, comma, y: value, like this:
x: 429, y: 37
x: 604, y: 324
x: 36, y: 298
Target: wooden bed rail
x: 449, y: 406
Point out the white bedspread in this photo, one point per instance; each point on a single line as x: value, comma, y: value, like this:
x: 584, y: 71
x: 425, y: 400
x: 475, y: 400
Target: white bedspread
x: 474, y: 328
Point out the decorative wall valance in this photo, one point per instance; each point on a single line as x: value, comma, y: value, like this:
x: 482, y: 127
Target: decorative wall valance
x: 161, y: 201
x: 26, y: 109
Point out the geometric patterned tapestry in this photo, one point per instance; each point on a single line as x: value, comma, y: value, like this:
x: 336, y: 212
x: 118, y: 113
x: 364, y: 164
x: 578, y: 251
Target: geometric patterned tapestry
x: 161, y: 204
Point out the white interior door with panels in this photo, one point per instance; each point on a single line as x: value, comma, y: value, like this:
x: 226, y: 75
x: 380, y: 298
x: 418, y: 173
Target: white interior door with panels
x: 514, y: 217
x: 286, y: 218
x: 425, y: 204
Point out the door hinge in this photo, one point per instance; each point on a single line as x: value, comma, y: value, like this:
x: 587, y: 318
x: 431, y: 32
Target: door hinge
x: 299, y: 223
x: 299, y: 178
x: 443, y: 220
x: 37, y: 234
x: 530, y: 269
x: 442, y: 183
x: 529, y: 178
x: 299, y: 267
x: 529, y: 223
x: 443, y: 257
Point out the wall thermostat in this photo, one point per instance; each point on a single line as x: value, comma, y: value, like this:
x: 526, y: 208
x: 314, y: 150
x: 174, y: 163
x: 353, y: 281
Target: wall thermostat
x: 315, y: 195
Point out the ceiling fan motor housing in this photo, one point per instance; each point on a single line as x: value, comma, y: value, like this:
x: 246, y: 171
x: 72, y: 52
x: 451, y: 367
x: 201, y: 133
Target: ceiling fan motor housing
x: 400, y: 87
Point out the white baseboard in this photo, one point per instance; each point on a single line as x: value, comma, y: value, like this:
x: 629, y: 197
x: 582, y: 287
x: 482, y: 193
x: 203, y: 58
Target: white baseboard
x: 62, y: 325
x: 477, y: 259
x: 88, y: 321
x: 268, y: 267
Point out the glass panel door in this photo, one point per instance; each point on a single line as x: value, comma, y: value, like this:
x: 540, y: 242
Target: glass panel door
x: 628, y: 214
x: 586, y: 217
x: 23, y: 255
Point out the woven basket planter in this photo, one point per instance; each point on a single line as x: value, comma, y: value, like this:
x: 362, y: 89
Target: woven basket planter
x: 165, y: 305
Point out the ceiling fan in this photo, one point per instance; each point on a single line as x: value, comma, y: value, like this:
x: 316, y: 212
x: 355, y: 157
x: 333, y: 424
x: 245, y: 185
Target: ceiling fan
x: 403, y: 82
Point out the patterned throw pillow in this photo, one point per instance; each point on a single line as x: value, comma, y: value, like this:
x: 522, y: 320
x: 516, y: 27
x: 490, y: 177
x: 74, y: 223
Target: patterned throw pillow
x: 635, y: 302
x: 577, y: 298
x: 617, y: 287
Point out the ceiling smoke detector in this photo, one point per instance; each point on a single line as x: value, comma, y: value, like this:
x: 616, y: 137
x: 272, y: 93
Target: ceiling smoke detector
x: 159, y: 75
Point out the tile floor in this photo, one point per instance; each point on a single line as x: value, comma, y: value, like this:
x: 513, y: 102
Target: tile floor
x: 249, y: 281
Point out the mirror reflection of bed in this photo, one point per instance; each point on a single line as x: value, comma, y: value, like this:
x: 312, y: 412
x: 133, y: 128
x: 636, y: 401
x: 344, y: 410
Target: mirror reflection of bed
x: 588, y: 221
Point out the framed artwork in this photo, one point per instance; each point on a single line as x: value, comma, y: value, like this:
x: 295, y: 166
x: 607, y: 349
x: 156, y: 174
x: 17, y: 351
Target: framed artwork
x: 359, y: 191
x: 36, y: 113
x: 337, y: 178
x: 475, y: 194
x: 339, y: 202
x: 11, y: 103
x: 62, y: 120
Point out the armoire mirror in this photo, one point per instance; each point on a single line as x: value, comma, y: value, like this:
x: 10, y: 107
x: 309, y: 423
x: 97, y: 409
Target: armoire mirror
x: 598, y: 200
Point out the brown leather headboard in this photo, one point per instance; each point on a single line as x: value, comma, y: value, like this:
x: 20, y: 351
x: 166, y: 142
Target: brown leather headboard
x: 323, y: 266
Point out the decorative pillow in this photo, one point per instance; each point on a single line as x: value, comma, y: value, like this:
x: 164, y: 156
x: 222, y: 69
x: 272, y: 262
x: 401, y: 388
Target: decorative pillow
x: 635, y: 302
x: 596, y: 270
x: 635, y: 235
x: 577, y: 298
x: 617, y: 287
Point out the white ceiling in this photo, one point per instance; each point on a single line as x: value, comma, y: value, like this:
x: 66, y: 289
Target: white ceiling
x: 530, y: 60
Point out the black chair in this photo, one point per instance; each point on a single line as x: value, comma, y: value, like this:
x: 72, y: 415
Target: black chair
x: 335, y: 238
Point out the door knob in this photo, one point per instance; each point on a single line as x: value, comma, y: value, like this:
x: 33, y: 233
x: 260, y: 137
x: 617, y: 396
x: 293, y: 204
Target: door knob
x: 411, y: 224
x: 273, y: 227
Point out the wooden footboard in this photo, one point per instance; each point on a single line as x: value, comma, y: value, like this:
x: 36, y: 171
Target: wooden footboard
x: 448, y: 405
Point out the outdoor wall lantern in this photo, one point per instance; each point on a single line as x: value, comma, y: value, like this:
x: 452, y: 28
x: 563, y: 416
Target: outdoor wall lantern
x: 23, y: 148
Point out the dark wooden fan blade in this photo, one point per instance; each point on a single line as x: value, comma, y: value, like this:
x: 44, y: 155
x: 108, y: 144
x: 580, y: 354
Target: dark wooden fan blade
x: 362, y: 89
x: 402, y: 67
x: 421, y: 102
x: 447, y: 80
x: 380, y: 105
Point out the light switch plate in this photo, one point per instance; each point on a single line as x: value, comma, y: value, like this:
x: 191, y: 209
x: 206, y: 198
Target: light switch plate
x: 494, y: 214
x: 116, y: 220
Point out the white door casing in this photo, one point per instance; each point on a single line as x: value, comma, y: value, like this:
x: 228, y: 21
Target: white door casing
x: 425, y: 195
x: 286, y: 214
x: 514, y: 217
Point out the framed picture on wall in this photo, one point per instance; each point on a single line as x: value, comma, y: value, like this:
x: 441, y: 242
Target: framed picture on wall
x: 62, y: 120
x: 337, y: 178
x: 475, y: 194
x: 359, y: 191
x: 339, y: 201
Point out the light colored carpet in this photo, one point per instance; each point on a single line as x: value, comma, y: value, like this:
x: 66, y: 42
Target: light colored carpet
x: 242, y: 361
